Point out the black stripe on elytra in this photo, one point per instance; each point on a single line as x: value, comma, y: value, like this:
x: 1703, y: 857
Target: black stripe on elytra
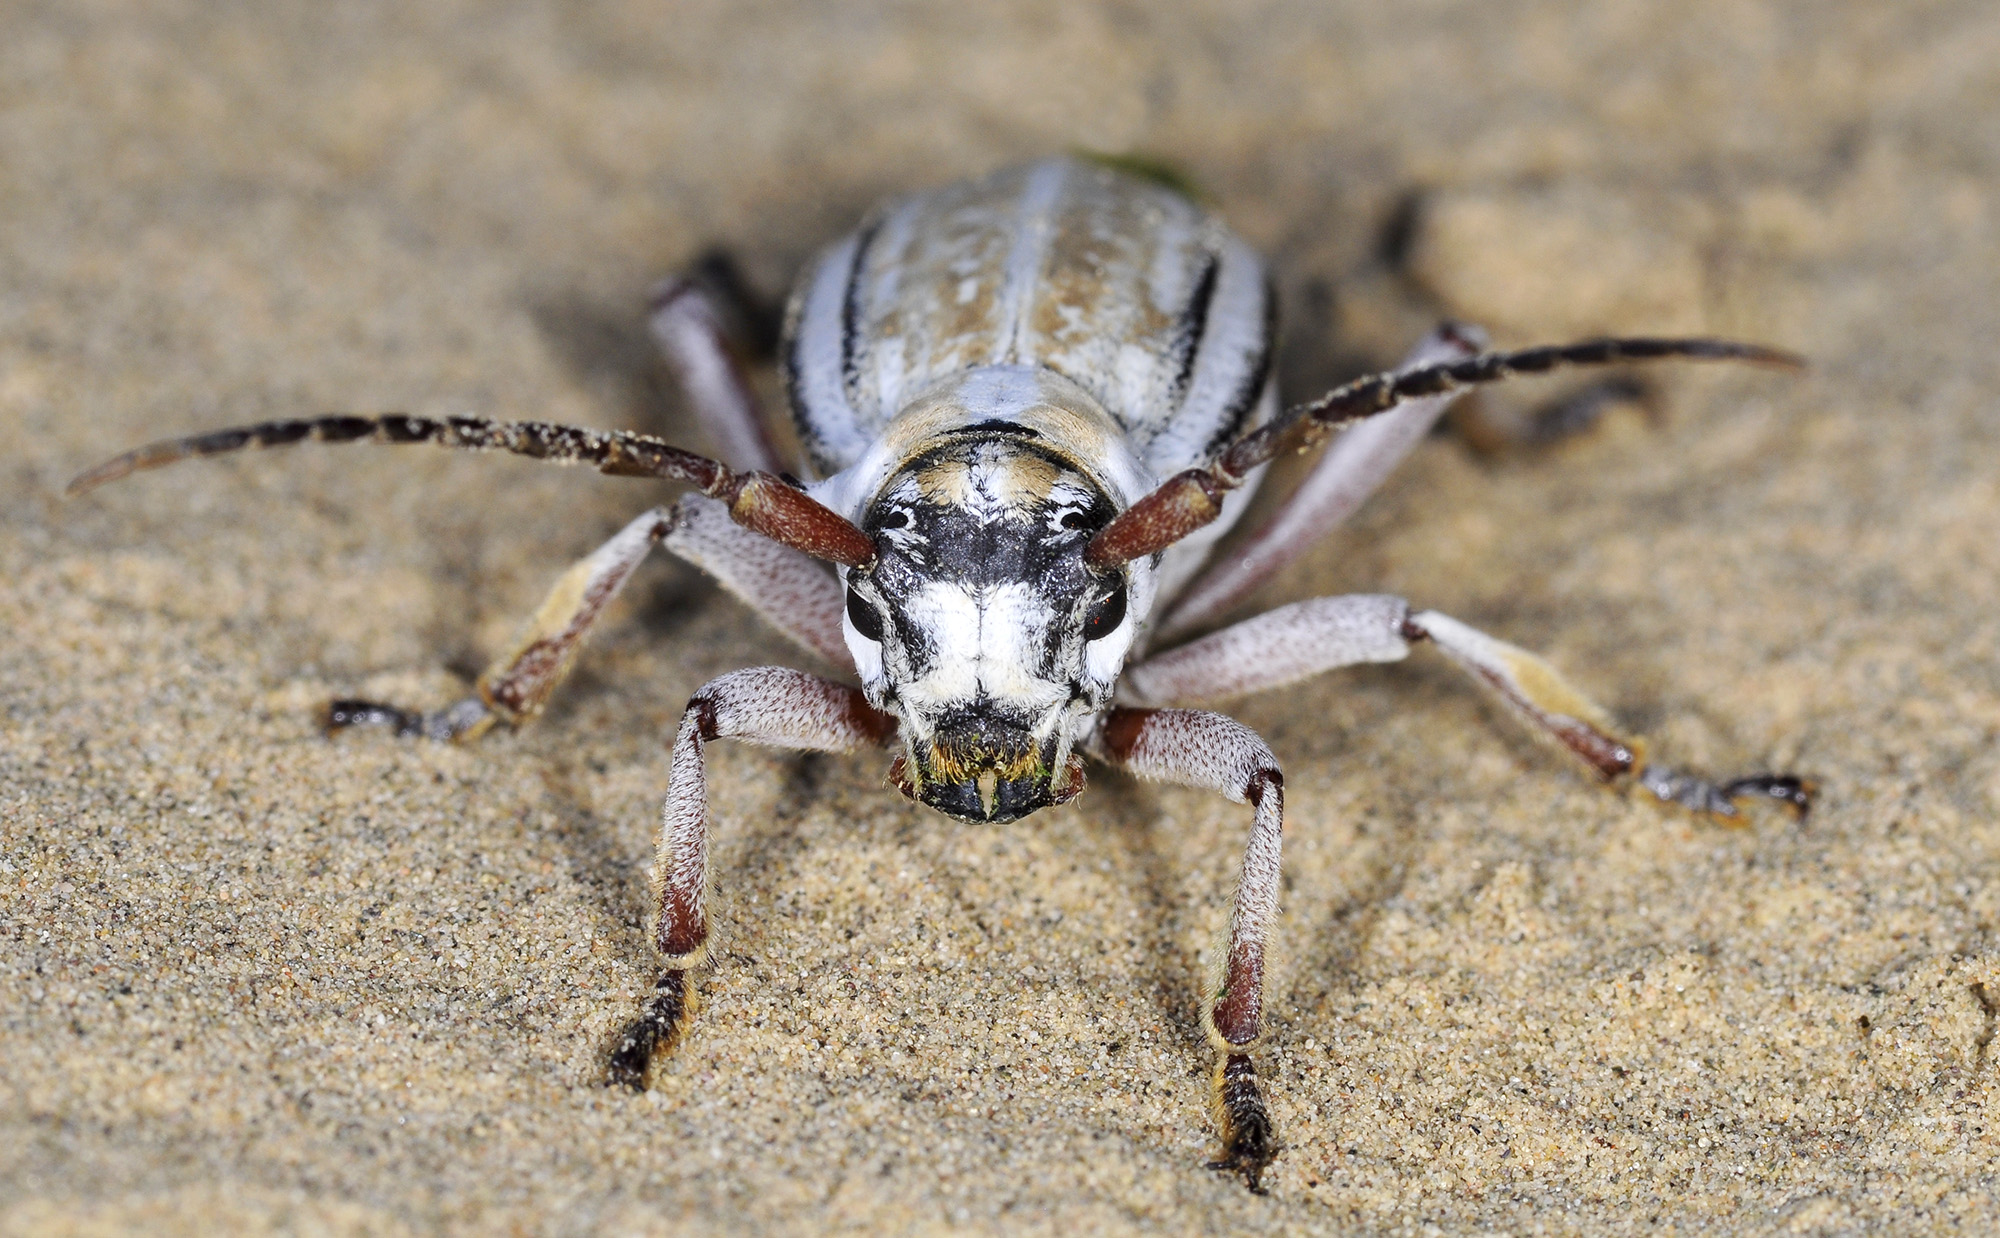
x: 795, y: 379
x: 1255, y: 375
x: 1193, y: 324
x: 850, y: 309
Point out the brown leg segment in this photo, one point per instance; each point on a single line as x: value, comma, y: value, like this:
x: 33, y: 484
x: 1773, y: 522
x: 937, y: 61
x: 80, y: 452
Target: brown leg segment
x: 1200, y: 749
x: 766, y: 705
x: 517, y: 685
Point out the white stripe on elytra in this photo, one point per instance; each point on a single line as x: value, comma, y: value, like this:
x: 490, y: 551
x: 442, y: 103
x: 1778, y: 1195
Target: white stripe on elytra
x: 1026, y: 255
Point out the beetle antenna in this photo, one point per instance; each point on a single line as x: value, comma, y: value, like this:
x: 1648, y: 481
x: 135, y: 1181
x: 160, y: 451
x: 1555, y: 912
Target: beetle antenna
x: 759, y: 501
x: 1189, y: 500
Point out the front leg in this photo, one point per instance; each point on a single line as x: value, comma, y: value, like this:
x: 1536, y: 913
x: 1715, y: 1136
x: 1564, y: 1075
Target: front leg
x: 1200, y: 749
x: 765, y: 705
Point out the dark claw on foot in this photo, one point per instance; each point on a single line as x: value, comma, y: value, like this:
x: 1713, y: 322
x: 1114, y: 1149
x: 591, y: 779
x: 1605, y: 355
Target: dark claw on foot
x: 1720, y: 800
x: 653, y: 1032
x: 466, y: 719
x: 343, y: 714
x: 1790, y: 790
x: 1249, y: 1141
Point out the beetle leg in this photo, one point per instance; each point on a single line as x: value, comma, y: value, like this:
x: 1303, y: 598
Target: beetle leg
x: 691, y: 329
x: 1353, y: 467
x: 1533, y: 691
x: 1200, y: 749
x: 790, y: 590
x: 1301, y: 640
x: 1276, y: 648
x: 766, y: 705
x: 517, y: 685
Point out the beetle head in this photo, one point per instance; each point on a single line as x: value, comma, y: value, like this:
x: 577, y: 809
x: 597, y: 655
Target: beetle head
x: 979, y: 624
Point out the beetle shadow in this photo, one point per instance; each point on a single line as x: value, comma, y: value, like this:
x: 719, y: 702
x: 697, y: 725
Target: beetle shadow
x: 1323, y: 969
x: 605, y: 343
x: 612, y: 879
x: 1375, y: 868
x: 1128, y: 815
x: 618, y: 895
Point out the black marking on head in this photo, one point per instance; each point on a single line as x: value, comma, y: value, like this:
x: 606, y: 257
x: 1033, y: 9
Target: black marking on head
x: 982, y: 512
x: 997, y: 425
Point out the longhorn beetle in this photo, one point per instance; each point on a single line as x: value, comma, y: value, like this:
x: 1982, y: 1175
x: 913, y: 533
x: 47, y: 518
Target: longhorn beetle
x: 1031, y: 404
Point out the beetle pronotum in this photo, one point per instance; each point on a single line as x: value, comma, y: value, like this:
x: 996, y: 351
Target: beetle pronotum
x: 1032, y: 404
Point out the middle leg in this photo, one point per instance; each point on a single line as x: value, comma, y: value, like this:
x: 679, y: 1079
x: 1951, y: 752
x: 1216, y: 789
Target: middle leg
x: 1353, y: 467
x: 1304, y: 639
x: 790, y: 590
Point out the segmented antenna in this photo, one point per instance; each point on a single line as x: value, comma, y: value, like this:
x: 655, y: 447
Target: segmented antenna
x: 758, y: 501
x: 1189, y: 500
x: 614, y: 451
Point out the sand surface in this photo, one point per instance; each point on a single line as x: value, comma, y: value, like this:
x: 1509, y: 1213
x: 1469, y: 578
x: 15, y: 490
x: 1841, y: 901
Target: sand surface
x: 256, y: 980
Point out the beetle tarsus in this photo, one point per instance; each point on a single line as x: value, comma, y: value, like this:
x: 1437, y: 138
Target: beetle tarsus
x: 1249, y: 1141
x: 1790, y: 790
x: 653, y: 1033
x: 1721, y: 799
x: 343, y: 714
x: 464, y: 720
x: 1490, y: 432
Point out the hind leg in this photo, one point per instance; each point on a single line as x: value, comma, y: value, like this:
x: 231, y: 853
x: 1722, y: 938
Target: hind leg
x: 696, y: 319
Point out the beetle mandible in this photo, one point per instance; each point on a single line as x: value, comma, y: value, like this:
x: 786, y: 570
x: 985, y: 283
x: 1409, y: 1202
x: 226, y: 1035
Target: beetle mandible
x: 1031, y: 404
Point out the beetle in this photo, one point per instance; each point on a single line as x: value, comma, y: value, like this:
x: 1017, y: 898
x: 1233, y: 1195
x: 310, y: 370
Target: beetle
x: 1029, y: 406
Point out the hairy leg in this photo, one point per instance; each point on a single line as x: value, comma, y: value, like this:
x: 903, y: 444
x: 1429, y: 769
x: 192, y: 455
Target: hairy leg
x: 793, y: 592
x: 765, y: 705
x: 692, y: 329
x: 1301, y: 640
x: 1200, y: 749
x: 1353, y: 467
x: 1533, y: 691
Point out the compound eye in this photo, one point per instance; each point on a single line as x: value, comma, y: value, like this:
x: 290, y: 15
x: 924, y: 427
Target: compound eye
x: 867, y: 622
x: 1105, y: 615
